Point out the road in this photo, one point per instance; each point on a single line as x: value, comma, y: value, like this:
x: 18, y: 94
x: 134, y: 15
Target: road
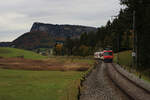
x: 105, y: 83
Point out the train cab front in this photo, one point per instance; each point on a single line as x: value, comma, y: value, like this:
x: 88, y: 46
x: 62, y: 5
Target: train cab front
x: 108, y: 56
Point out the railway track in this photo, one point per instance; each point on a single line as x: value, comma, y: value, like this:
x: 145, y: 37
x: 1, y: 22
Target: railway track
x: 97, y: 86
x: 105, y: 82
x: 130, y: 88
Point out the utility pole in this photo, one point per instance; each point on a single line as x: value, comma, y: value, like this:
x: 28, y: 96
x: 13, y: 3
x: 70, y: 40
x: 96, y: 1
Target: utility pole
x: 134, y: 53
x: 118, y: 48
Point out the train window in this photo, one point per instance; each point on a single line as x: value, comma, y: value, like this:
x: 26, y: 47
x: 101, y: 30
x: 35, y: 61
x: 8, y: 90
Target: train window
x: 107, y: 53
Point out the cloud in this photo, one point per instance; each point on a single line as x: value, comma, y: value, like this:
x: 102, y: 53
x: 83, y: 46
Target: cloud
x: 11, y: 21
x: 19, y: 15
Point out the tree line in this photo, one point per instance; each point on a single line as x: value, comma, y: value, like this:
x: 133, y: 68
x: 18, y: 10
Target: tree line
x: 140, y: 10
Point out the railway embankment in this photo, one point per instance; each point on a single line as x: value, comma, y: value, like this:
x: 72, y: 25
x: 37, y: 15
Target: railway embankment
x: 136, y: 89
x: 141, y: 83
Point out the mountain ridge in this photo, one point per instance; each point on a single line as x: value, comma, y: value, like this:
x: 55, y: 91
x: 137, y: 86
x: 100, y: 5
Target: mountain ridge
x: 45, y: 35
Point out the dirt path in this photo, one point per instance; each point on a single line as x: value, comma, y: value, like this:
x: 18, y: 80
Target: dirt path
x: 98, y: 86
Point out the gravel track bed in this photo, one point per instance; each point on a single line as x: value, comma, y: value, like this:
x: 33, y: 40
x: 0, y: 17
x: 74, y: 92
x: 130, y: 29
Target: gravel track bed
x: 133, y: 78
x: 98, y: 86
x: 131, y: 89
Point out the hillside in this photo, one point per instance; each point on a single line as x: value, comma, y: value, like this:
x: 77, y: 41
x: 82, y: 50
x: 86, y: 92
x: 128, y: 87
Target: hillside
x: 13, y: 52
x: 33, y: 40
x: 45, y: 35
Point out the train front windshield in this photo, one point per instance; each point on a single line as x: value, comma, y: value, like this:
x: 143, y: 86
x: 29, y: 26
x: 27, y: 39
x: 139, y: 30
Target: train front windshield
x: 107, y: 53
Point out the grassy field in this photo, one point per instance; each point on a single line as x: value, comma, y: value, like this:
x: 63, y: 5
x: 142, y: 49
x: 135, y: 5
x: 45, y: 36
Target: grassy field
x: 38, y: 85
x: 125, y: 59
x: 13, y: 52
x: 41, y: 85
x: 74, y: 62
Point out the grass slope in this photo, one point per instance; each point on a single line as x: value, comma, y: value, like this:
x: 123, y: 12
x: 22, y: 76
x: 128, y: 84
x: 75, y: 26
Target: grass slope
x: 125, y: 59
x: 13, y: 52
x: 38, y: 85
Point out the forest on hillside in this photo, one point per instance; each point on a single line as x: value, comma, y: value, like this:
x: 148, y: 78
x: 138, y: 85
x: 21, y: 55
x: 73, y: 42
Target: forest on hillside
x: 132, y: 23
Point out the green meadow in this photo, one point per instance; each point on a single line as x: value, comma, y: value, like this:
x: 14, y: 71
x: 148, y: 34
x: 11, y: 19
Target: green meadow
x: 40, y: 85
x: 125, y: 58
x: 13, y: 52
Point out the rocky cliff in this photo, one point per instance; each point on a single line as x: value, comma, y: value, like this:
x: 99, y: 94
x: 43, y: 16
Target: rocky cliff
x: 61, y: 31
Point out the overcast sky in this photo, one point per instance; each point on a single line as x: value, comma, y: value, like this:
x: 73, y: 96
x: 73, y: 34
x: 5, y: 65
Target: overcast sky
x: 17, y: 16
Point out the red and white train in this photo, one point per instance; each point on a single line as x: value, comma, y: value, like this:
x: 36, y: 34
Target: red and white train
x: 106, y: 55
